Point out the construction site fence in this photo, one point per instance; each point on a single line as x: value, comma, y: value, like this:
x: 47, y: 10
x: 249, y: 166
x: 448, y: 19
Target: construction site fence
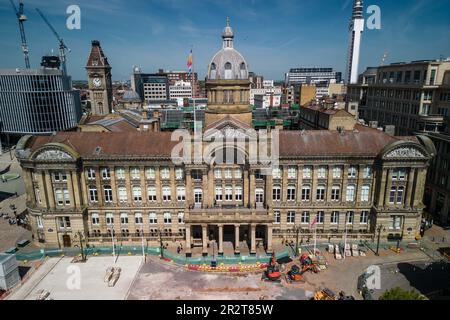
x: 155, y: 251
x: 289, y: 251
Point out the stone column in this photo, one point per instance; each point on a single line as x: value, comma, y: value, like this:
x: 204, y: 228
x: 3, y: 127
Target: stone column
x: 329, y: 186
x: 285, y: 183
x: 388, y: 184
x: 299, y: 183
x: 143, y: 185
x: 269, y: 239
x: 252, y: 189
x: 43, y: 193
x: 211, y: 187
x: 382, y: 193
x: 188, y: 241
x: 343, y: 195
x: 269, y: 190
x: 189, y: 188
x: 49, y: 189
x: 221, y: 239
x: 205, y: 239
x: 253, y: 239
x: 76, y: 189
x: 236, y: 239
x: 158, y: 185
x: 28, y: 181
x: 71, y: 189
x: 359, y: 185
x: 84, y: 189
x: 99, y: 184
x: 410, y: 188
x: 206, y: 192
x: 173, y: 192
x: 246, y: 189
x: 114, y: 185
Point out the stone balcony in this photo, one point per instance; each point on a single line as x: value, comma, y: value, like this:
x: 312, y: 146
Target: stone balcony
x: 228, y: 214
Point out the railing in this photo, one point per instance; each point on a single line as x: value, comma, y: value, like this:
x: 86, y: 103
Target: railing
x: 155, y: 237
x: 228, y: 209
x: 290, y: 234
x: 155, y: 251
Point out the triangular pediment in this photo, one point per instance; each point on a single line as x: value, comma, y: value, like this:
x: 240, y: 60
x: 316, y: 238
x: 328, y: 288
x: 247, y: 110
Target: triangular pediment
x: 229, y: 127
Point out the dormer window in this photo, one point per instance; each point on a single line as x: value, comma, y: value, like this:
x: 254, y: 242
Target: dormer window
x: 228, y: 71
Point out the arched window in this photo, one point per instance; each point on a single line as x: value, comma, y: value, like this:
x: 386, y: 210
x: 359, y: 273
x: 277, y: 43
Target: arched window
x: 213, y: 71
x: 227, y: 66
x: 242, y: 66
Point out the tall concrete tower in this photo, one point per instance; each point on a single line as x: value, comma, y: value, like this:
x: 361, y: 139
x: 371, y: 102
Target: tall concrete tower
x: 356, y: 29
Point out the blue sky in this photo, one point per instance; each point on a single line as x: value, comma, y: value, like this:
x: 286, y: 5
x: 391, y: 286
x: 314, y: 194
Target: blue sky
x: 273, y: 35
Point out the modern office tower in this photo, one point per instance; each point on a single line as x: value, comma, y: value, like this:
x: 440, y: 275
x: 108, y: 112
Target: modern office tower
x: 37, y: 102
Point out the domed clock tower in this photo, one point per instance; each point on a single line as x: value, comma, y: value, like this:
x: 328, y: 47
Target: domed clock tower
x: 100, y: 83
x: 228, y: 84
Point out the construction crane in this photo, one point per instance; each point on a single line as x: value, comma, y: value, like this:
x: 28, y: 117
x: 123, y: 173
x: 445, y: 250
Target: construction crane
x: 62, y: 45
x: 22, y: 18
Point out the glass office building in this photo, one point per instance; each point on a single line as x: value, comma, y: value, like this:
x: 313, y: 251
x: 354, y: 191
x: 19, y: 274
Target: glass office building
x: 37, y: 102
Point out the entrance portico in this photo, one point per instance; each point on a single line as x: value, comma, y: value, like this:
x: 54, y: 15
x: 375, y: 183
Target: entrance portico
x: 221, y: 237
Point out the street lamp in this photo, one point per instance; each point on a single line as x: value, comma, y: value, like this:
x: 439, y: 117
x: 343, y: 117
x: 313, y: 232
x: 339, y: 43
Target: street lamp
x: 143, y: 249
x: 161, y: 244
x: 81, y: 237
x: 113, y: 245
x: 379, y: 229
x: 297, y: 231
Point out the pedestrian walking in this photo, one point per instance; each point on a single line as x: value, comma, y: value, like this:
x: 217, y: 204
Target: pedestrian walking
x: 178, y: 250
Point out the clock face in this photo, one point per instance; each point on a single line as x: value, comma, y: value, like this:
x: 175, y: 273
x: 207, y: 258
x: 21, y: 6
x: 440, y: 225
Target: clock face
x: 97, y: 82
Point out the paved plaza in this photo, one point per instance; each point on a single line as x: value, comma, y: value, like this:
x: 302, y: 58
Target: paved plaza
x: 12, y: 166
x: 58, y: 276
x: 11, y: 234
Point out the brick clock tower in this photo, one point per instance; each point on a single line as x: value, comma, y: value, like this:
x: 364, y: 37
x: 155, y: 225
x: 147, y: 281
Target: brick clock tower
x: 100, y: 83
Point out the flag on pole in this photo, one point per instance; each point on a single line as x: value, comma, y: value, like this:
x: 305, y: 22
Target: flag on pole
x: 190, y: 62
x: 314, y: 222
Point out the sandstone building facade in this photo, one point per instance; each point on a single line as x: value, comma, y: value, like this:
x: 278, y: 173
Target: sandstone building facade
x: 128, y: 185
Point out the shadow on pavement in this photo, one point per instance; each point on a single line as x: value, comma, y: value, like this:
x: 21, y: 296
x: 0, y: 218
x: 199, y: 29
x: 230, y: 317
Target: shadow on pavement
x: 431, y: 280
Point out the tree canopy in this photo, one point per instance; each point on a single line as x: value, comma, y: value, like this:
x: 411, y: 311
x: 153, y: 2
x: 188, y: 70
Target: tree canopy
x: 400, y: 294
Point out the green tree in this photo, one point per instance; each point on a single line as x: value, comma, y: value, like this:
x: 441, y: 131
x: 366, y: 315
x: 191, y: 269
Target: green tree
x: 400, y: 294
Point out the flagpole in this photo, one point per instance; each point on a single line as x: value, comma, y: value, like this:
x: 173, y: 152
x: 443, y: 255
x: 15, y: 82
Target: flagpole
x: 192, y: 87
x: 314, y: 224
x: 345, y: 240
x: 143, y: 249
